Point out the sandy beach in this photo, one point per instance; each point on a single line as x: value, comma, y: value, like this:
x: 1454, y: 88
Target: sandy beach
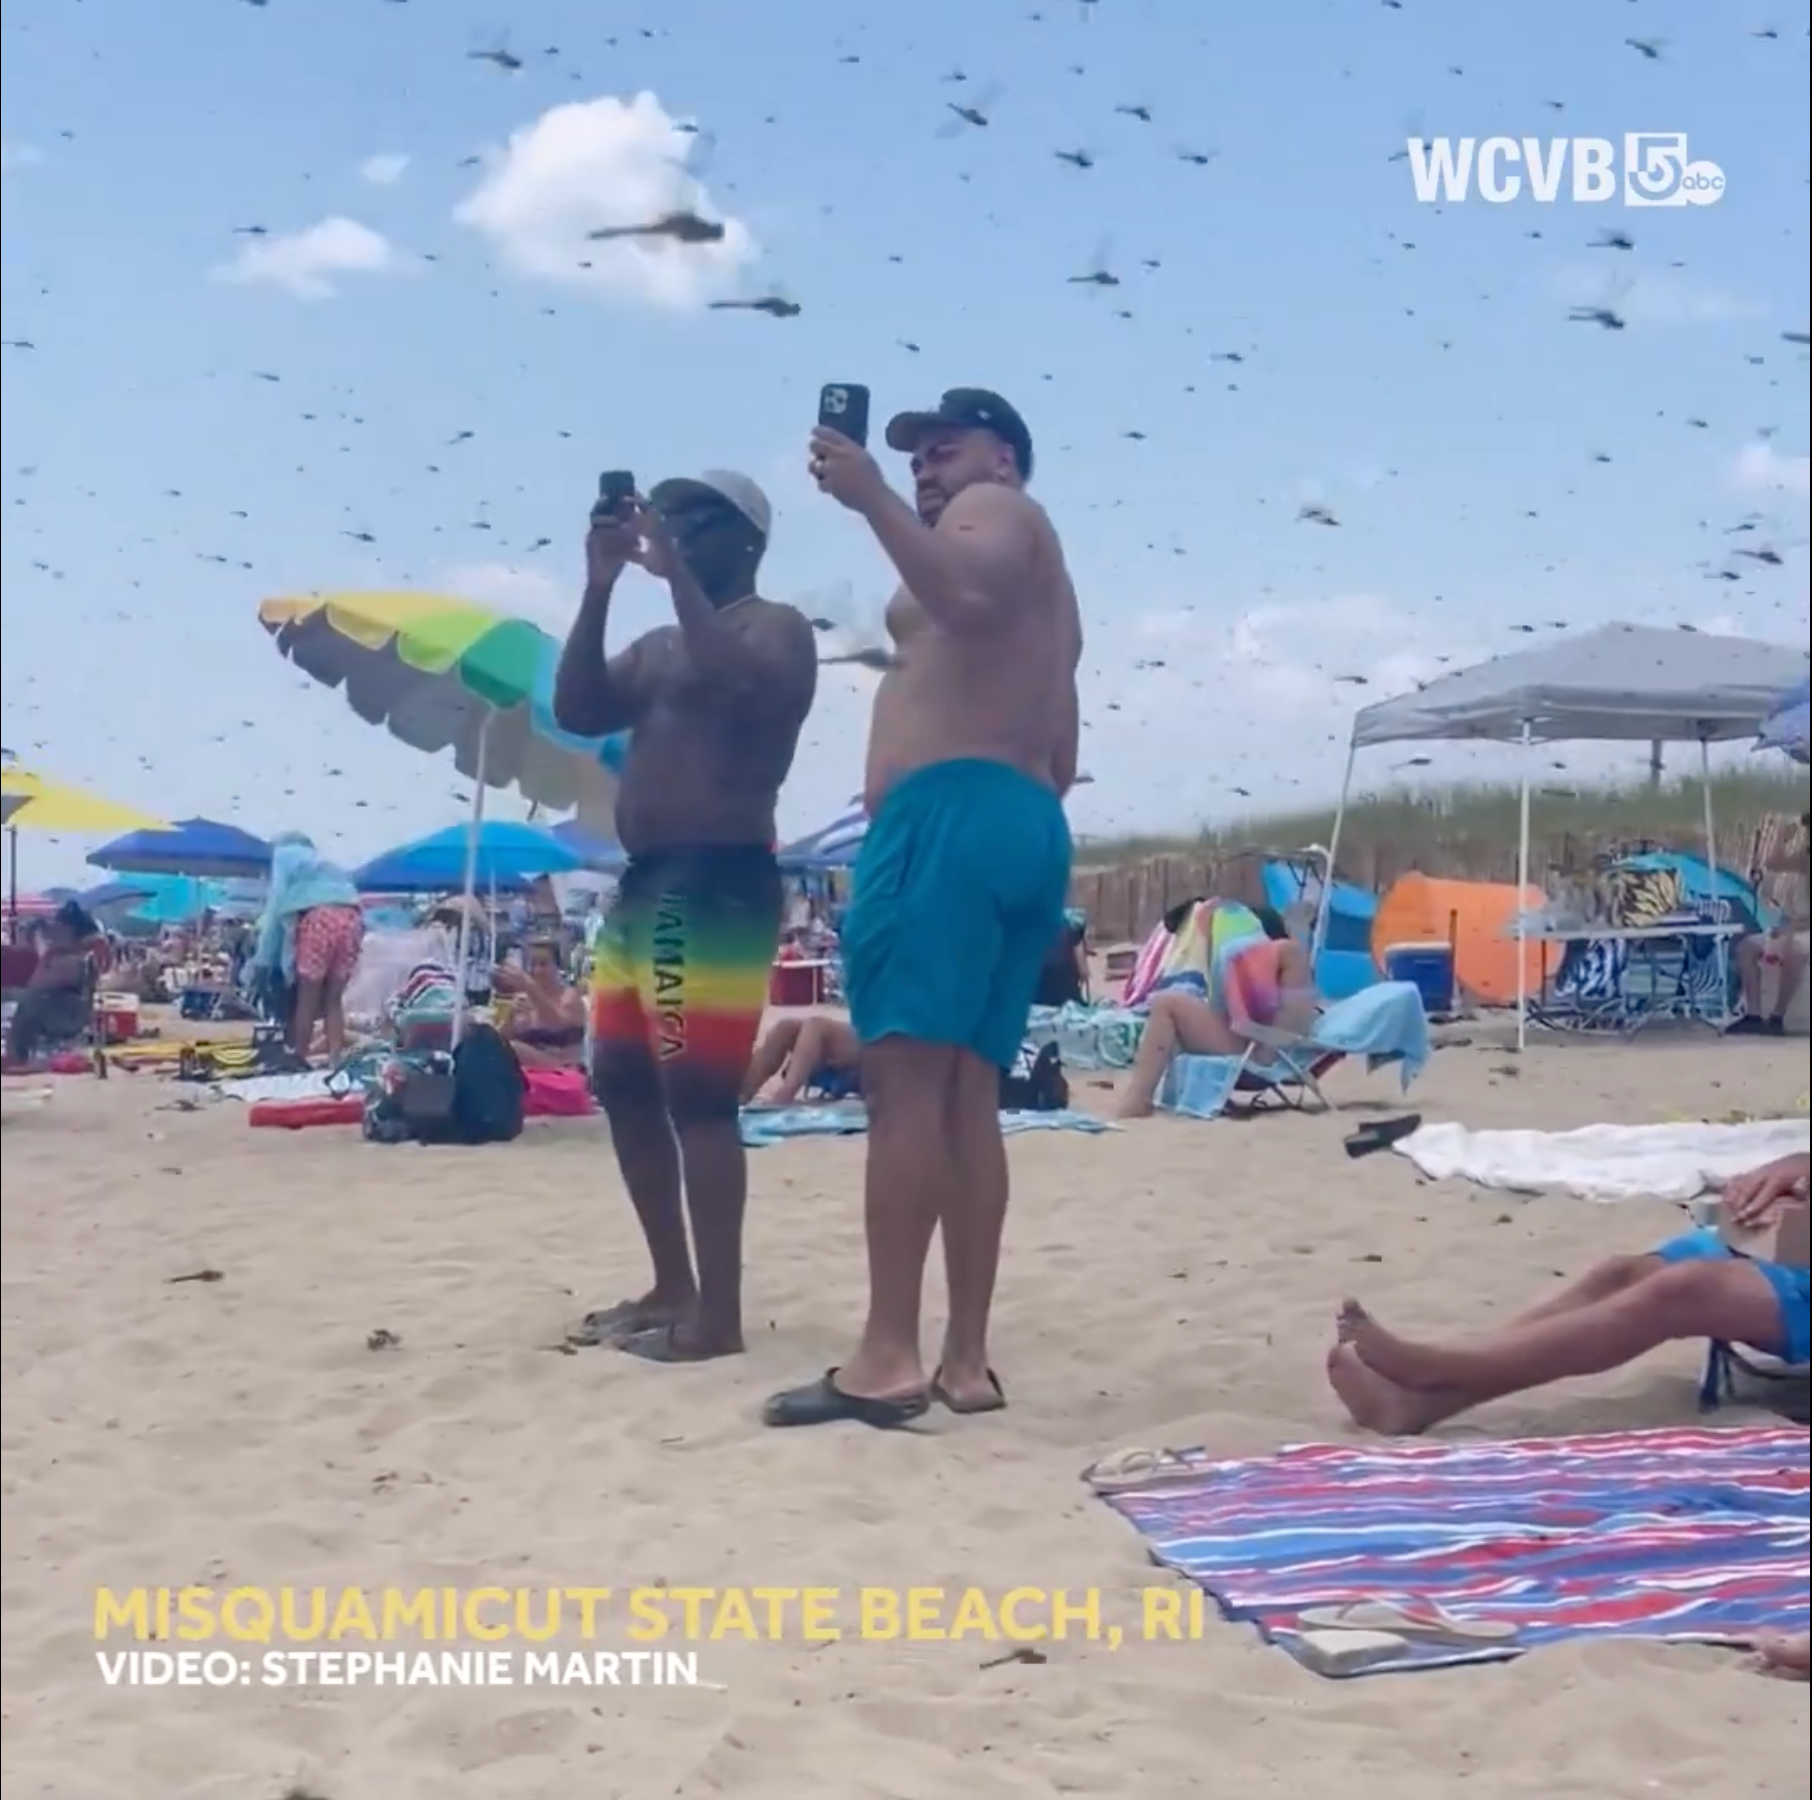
x: 1167, y: 1284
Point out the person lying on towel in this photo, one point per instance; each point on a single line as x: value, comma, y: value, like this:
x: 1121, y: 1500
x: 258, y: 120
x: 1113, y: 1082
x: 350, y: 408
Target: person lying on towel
x: 1692, y: 1286
x: 1259, y: 975
x: 805, y: 1056
x: 544, y: 1020
x: 56, y: 1005
x: 1782, y: 1654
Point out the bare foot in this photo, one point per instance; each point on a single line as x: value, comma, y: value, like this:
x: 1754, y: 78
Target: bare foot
x: 1781, y: 1655
x: 1131, y: 1107
x: 1404, y: 1364
x: 611, y: 1324
x: 1375, y: 1403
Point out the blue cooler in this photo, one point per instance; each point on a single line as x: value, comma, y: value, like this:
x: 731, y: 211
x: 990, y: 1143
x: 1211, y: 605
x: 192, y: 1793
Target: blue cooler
x: 1428, y: 968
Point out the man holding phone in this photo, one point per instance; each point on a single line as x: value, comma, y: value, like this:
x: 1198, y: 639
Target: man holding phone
x: 680, y: 970
x: 961, y: 881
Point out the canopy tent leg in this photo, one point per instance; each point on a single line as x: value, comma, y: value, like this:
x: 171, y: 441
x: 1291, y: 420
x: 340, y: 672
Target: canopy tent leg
x: 1522, y: 898
x: 474, y: 827
x: 1318, y: 937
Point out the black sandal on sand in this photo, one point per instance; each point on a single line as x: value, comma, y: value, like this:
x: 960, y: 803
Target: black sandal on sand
x: 941, y: 1395
x: 822, y: 1402
x: 1382, y: 1134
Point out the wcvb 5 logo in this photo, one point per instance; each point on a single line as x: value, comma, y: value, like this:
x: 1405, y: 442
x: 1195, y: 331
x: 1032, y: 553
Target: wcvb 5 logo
x: 1658, y: 170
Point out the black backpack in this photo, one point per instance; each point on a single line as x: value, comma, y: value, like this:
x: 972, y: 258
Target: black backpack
x: 1035, y: 1083
x: 478, y: 1095
x: 490, y: 1092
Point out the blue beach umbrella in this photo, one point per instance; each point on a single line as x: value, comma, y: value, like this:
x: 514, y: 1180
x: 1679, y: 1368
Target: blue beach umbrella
x: 1790, y: 724
x: 508, y: 856
x: 202, y: 847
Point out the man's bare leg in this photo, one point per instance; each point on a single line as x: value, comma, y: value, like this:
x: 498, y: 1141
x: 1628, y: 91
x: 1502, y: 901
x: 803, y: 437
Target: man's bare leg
x: 629, y: 1090
x: 913, y: 1167
x: 1375, y: 1403
x: 1727, y: 1300
x: 972, y: 1216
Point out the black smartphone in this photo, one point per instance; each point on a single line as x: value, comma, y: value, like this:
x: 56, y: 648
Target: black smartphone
x: 843, y: 407
x: 616, y: 489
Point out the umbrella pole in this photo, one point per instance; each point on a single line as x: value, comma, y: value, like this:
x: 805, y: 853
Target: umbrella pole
x: 1522, y: 900
x: 474, y: 825
x: 12, y: 886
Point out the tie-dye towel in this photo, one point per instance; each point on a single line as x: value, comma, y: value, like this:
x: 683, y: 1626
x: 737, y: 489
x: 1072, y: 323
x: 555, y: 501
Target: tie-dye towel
x: 1087, y: 1037
x: 1681, y: 1535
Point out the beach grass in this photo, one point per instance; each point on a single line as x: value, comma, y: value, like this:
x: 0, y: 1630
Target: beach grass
x: 1670, y: 814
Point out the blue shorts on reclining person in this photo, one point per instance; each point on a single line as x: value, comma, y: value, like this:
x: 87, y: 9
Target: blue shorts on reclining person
x: 1792, y: 1289
x: 958, y: 890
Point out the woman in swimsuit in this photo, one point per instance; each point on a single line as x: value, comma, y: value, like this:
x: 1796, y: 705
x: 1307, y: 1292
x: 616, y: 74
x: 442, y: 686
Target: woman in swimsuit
x: 545, y: 1023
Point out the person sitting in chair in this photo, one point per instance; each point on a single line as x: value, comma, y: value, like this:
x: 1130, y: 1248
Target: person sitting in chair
x: 802, y: 1056
x: 1693, y: 1286
x: 56, y: 1006
x: 1261, y: 979
x: 545, y: 1019
x: 1779, y: 946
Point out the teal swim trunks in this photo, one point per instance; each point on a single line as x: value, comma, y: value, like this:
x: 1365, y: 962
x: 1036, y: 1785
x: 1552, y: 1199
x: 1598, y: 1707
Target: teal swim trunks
x: 958, y: 891
x: 1792, y: 1289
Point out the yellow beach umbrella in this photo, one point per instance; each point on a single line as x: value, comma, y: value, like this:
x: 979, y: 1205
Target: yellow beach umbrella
x: 34, y: 804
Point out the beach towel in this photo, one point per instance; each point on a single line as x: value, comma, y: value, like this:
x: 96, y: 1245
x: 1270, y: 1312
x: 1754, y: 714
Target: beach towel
x: 1606, y: 1162
x: 764, y: 1125
x: 1679, y: 1535
x: 1384, y: 1023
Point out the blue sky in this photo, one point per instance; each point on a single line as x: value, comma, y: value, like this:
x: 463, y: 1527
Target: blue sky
x: 1413, y: 370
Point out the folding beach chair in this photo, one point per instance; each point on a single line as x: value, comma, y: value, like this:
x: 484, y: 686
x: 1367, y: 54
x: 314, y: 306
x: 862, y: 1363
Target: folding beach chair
x: 1736, y: 1372
x: 1290, y: 1079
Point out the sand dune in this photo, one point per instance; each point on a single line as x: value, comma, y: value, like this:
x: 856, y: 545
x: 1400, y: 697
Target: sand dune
x: 1169, y: 1284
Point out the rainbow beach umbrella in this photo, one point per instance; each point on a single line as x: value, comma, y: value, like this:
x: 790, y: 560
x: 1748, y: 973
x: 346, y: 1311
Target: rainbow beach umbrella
x: 441, y: 673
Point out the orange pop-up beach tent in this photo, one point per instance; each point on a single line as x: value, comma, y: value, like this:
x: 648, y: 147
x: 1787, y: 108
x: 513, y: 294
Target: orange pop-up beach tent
x: 1472, y: 916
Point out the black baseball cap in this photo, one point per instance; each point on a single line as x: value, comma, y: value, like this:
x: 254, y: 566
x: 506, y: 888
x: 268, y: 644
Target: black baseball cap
x: 965, y: 409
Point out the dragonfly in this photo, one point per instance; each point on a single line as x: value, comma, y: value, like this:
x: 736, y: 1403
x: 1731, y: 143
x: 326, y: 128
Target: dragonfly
x: 499, y: 54
x: 970, y: 114
x: 860, y: 645
x: 1077, y: 159
x: 1604, y: 314
x: 776, y: 306
x: 681, y: 227
x: 1099, y: 274
x: 1200, y: 158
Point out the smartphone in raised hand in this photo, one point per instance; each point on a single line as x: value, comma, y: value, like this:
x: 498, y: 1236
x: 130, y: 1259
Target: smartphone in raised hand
x: 616, y: 493
x: 843, y: 406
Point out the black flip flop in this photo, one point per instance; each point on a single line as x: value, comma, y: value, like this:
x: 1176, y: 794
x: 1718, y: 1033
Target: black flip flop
x: 611, y: 1324
x: 941, y: 1395
x: 822, y: 1402
x: 1382, y: 1134
x: 658, y: 1344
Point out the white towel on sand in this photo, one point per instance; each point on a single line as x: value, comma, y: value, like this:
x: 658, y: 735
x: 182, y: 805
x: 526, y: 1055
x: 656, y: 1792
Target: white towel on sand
x: 1606, y: 1162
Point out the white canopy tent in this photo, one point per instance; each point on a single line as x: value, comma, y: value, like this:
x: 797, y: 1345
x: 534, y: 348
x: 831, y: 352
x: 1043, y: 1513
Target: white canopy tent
x: 1618, y: 683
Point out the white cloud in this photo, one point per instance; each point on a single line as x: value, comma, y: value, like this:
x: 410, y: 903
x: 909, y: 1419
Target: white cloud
x: 522, y: 592
x: 1761, y: 469
x: 582, y: 167
x: 385, y: 170
x: 302, y: 262
x: 14, y: 156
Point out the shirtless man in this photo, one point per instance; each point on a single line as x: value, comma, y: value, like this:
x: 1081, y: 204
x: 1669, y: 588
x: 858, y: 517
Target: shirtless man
x: 961, y: 881
x: 680, y: 970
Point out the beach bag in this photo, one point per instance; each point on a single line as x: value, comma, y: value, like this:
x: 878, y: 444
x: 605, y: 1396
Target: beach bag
x: 413, y: 1102
x: 490, y: 1091
x: 1035, y: 1083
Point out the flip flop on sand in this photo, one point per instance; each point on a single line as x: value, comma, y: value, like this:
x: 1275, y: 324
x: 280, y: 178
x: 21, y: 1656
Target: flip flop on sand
x: 1420, y: 1624
x: 1134, y: 1469
x: 1382, y: 1133
x: 941, y: 1395
x: 822, y: 1402
x: 611, y: 1324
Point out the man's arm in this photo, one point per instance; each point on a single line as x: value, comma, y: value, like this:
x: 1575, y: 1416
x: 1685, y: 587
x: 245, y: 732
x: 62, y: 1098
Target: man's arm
x: 595, y: 695
x: 970, y: 569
